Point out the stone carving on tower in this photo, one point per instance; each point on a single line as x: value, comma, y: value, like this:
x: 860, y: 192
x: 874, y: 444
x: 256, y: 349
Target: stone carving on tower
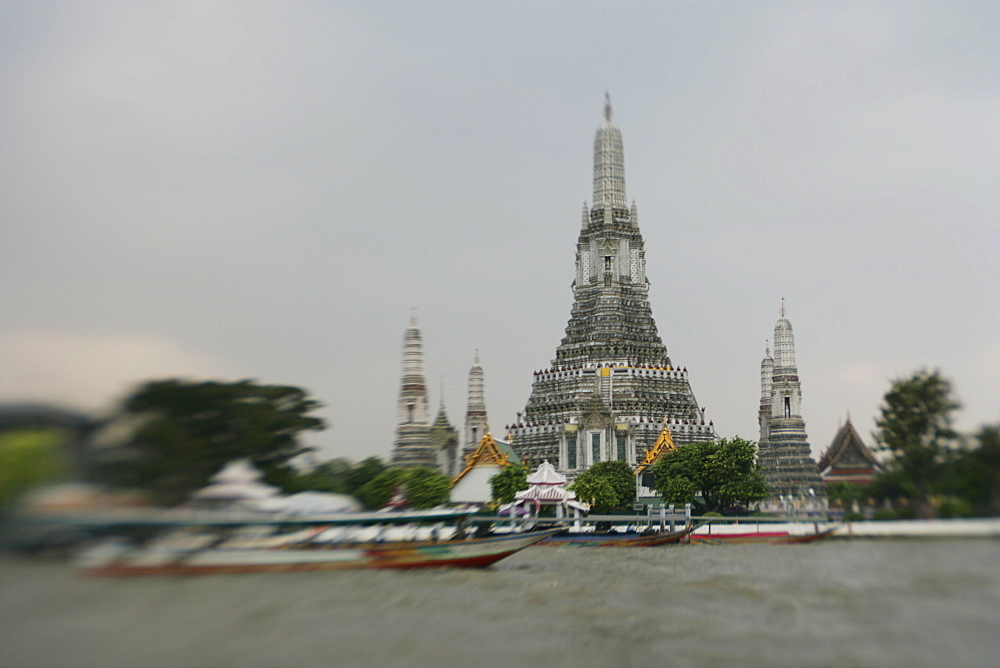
x: 783, y: 450
x: 413, y: 446
x: 611, y: 384
x: 476, y: 422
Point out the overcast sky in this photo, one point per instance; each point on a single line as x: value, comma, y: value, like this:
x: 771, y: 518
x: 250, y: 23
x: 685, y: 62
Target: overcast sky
x: 264, y: 190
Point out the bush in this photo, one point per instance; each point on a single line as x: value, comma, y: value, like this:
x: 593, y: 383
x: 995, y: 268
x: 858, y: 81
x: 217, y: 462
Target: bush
x: 952, y: 507
x: 852, y: 516
x: 885, y: 514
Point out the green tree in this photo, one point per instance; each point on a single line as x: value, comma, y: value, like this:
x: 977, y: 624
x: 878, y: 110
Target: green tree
x: 427, y: 488
x: 714, y: 475
x: 508, y: 482
x: 27, y: 458
x: 844, y: 492
x: 377, y: 492
x: 598, y: 492
x: 361, y: 474
x: 973, y: 475
x: 423, y: 487
x: 606, y: 486
x: 915, y: 426
x: 984, y: 483
x: 186, y: 431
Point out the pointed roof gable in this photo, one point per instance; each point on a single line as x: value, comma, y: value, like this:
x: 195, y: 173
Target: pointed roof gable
x: 488, y: 453
x: 546, y: 474
x: 664, y: 444
x: 848, y: 451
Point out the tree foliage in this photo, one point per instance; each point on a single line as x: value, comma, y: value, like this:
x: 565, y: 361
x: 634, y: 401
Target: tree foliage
x: 337, y: 476
x: 427, y: 488
x: 188, y: 430
x: 973, y: 475
x: 714, y: 475
x: 510, y: 480
x: 29, y: 457
x: 915, y: 426
x: 365, y: 471
x: 377, y: 492
x: 606, y: 486
x: 844, y: 492
x: 423, y: 487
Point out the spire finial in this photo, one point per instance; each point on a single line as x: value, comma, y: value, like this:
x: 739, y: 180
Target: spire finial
x: 413, y: 316
x: 476, y: 363
x: 782, y: 307
x: 607, y: 106
x: 767, y: 348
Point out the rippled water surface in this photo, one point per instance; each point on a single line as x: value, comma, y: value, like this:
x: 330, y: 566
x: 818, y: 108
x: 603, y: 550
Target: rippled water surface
x: 837, y: 603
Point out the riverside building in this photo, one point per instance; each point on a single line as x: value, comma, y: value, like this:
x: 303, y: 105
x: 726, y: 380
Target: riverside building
x: 612, y: 385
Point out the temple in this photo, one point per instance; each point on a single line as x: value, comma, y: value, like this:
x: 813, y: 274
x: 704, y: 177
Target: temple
x: 848, y: 459
x: 784, y: 453
x: 611, y: 385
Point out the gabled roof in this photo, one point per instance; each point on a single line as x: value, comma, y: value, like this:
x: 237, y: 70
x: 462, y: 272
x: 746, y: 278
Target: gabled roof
x: 845, y: 443
x: 663, y: 445
x: 546, y: 474
x: 489, y: 452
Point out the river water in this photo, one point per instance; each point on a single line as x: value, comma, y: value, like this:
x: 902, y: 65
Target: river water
x: 833, y: 603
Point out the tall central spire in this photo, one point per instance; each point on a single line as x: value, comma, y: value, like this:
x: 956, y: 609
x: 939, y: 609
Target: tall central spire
x: 611, y: 384
x: 609, y: 163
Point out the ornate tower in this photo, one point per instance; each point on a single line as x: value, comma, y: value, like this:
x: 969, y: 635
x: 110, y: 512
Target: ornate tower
x: 611, y: 384
x: 476, y: 423
x: 413, y: 446
x: 444, y: 441
x: 766, y: 383
x: 790, y: 470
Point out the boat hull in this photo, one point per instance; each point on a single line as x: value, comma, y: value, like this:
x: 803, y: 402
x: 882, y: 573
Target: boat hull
x: 616, y: 540
x: 714, y: 536
x: 470, y: 553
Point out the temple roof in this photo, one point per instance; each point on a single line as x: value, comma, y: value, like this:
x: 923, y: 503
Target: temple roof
x: 238, y: 479
x: 664, y: 444
x: 847, y: 442
x: 546, y: 474
x: 489, y: 452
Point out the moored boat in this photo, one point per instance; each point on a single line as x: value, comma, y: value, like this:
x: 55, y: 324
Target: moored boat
x: 617, y: 539
x: 778, y: 534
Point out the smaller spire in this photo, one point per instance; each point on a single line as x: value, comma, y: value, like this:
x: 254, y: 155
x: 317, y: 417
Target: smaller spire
x: 767, y: 349
x: 607, y: 106
x: 413, y: 316
x: 782, y: 307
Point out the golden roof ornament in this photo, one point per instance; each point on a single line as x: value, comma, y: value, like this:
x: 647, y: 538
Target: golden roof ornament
x: 663, y: 445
